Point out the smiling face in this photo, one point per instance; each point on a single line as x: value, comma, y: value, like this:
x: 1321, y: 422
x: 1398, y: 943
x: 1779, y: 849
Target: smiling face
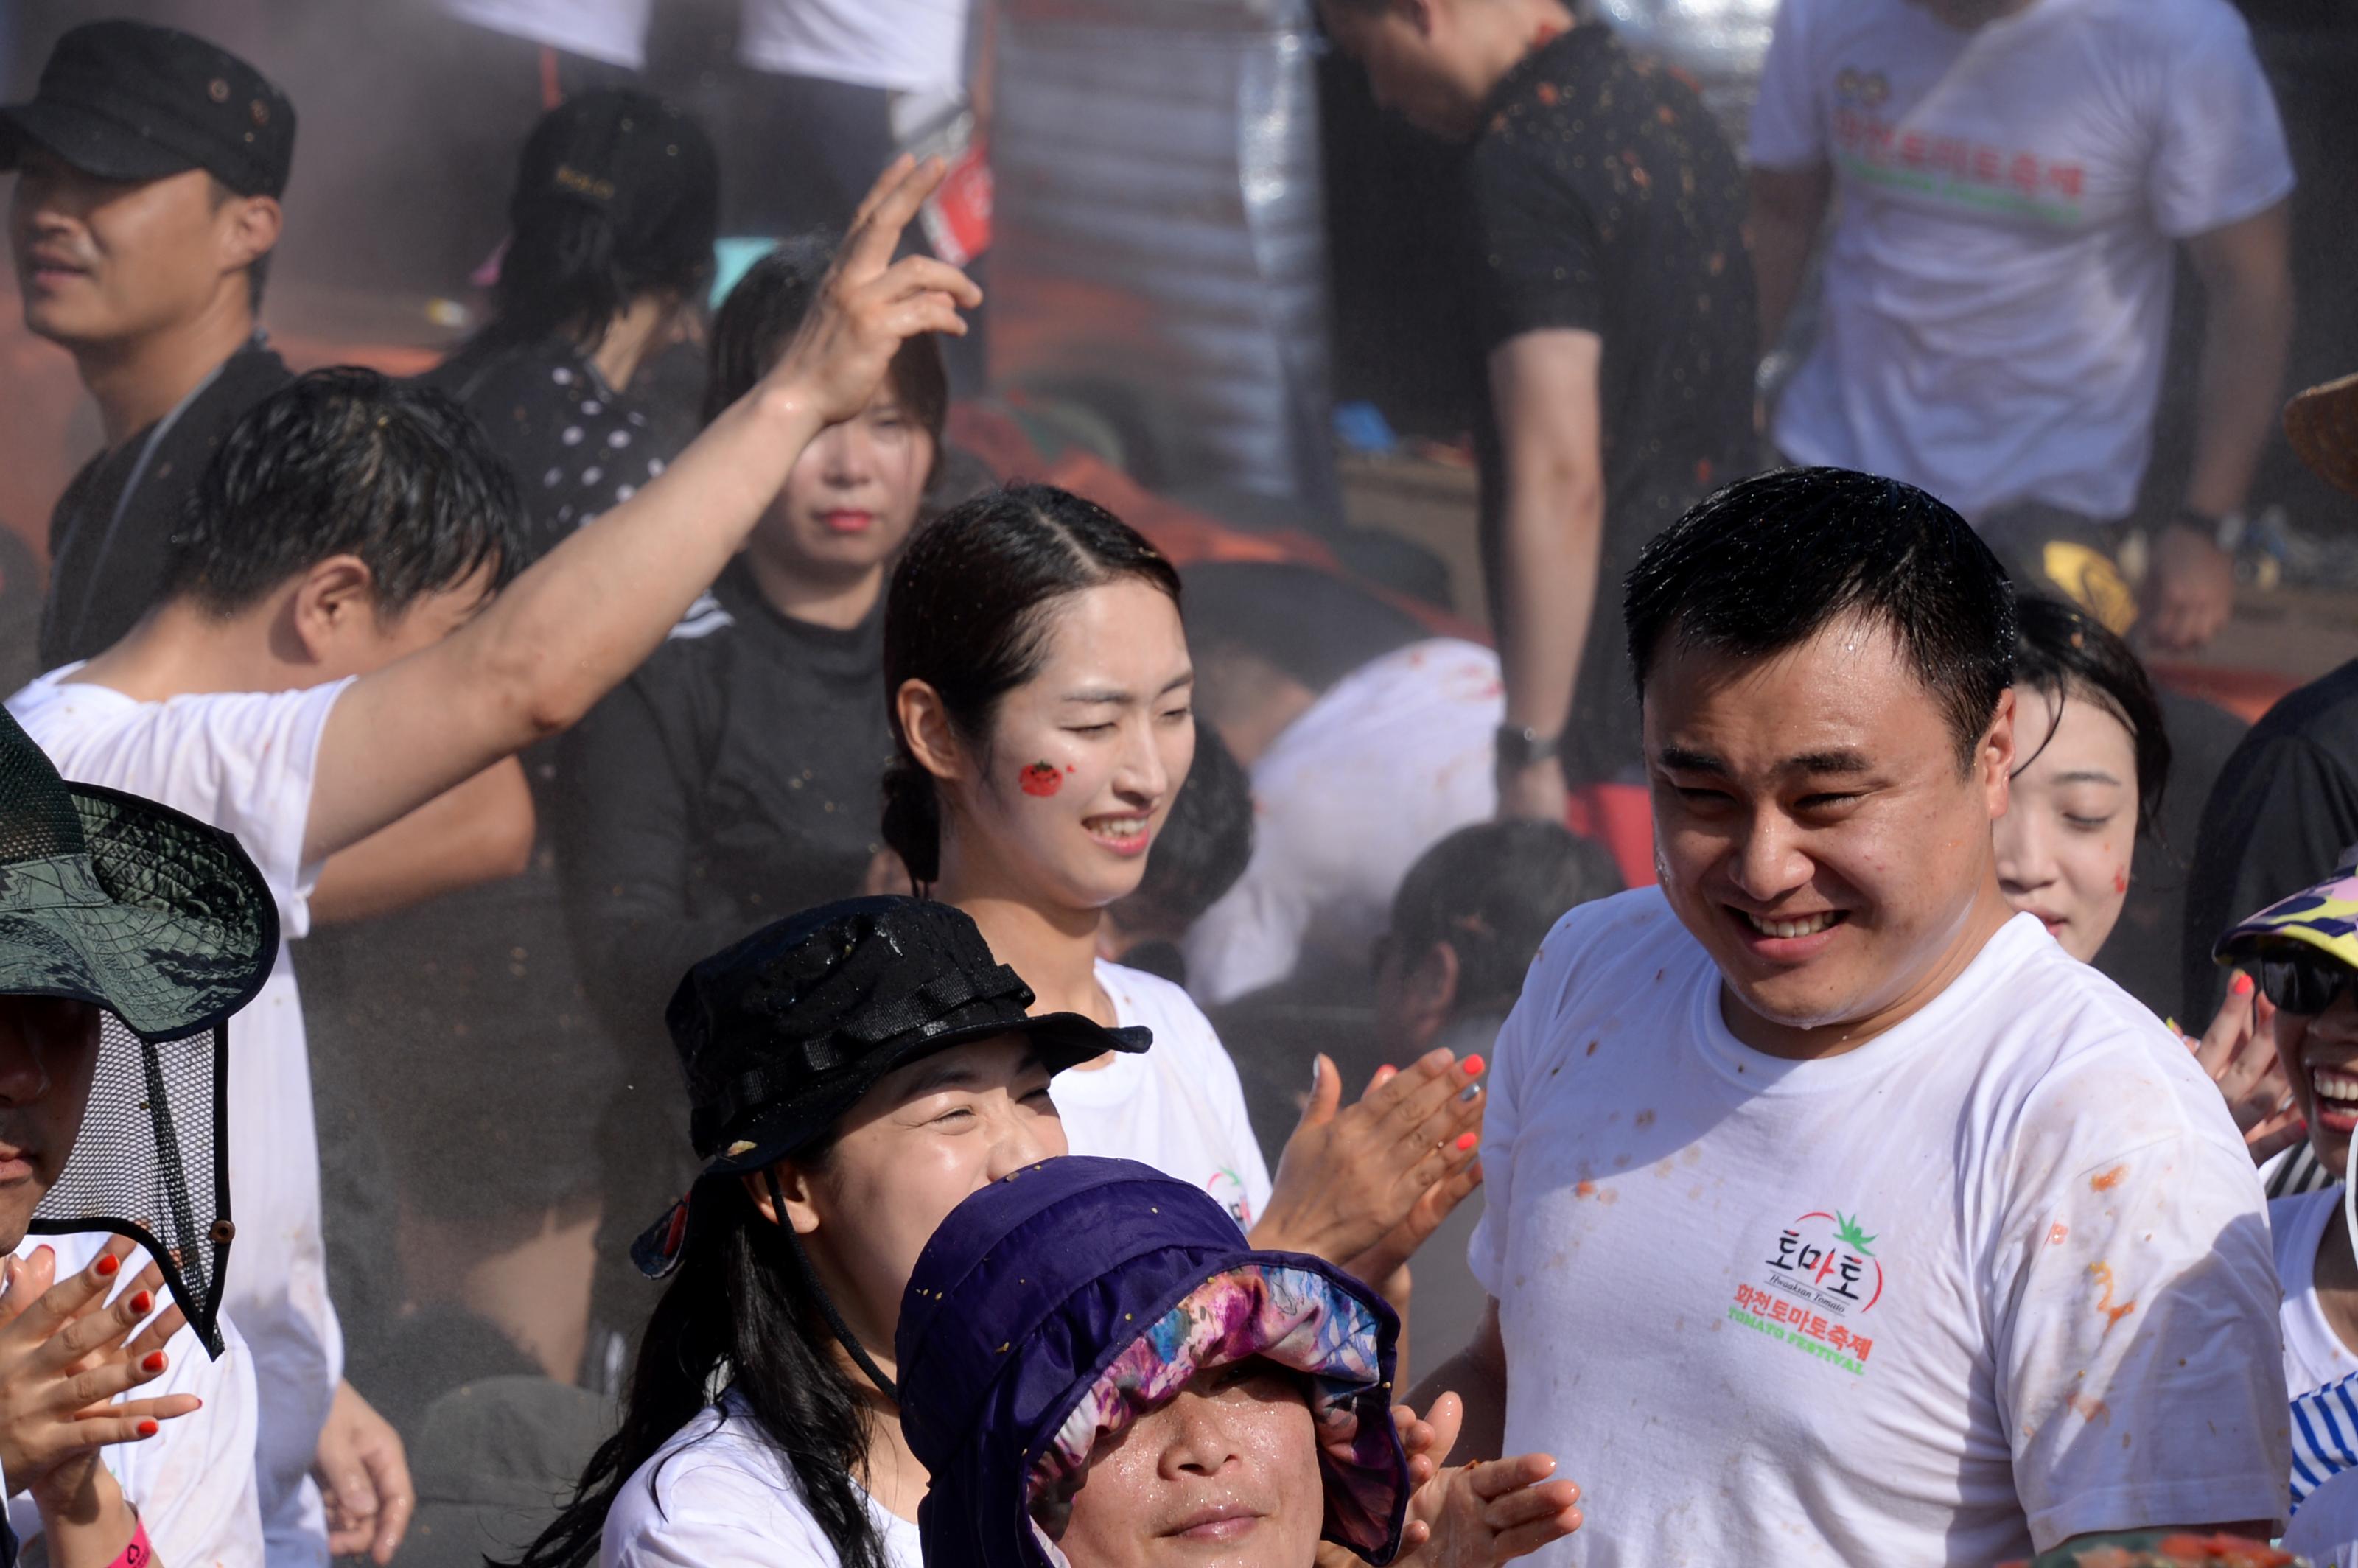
x: 102, y: 261
x: 48, y: 1047
x: 1059, y: 808
x: 1226, y: 1475
x: 2064, y: 844
x: 2320, y: 1062
x: 853, y: 495
x: 1815, y: 831
x: 927, y: 1137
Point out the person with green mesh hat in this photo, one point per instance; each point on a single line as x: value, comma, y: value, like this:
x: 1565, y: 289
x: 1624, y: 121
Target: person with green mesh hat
x: 128, y: 935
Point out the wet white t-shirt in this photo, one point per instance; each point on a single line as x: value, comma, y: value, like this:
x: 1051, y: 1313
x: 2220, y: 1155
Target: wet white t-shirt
x: 244, y: 762
x: 1177, y: 1107
x: 1996, y: 1278
x: 906, y: 46
x: 2314, y: 1354
x: 193, y: 1482
x: 1998, y: 274
x: 718, y: 1495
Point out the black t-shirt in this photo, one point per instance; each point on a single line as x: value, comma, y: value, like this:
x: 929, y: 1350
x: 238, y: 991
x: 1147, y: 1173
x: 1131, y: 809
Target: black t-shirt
x: 110, y: 536
x: 733, y: 780
x: 2285, y: 807
x: 1604, y: 199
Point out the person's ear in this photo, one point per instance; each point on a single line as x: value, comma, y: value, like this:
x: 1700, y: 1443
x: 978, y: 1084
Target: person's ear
x: 1997, y: 756
x: 330, y: 600
x: 932, y: 739
x: 1423, y: 14
x: 249, y: 231
x: 1428, y: 993
x: 794, y: 1186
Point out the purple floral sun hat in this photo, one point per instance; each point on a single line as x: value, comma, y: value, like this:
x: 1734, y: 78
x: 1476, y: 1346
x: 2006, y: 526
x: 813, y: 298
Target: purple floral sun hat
x: 1054, y: 1308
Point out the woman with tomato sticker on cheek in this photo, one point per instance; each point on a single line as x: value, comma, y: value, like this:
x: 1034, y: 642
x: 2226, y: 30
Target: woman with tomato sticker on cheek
x: 1039, y: 685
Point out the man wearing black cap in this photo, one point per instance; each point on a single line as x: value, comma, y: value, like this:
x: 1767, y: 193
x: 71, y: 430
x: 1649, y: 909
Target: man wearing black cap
x: 149, y: 166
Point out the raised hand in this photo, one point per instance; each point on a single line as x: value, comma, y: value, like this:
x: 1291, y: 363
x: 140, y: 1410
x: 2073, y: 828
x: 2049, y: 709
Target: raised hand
x: 1476, y: 1516
x: 870, y: 304
x: 1364, y: 1186
x: 2239, y: 1052
x: 66, y: 1355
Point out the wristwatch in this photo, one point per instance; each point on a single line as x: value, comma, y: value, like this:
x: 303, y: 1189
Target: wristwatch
x: 2226, y: 532
x: 1519, y: 746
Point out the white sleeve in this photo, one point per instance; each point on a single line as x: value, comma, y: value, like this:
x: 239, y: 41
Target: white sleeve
x: 1524, y: 1032
x: 711, y: 1514
x: 253, y: 757
x: 2134, y: 1302
x: 1252, y: 936
x: 2219, y: 156
x: 1789, y: 128
x: 194, y: 1481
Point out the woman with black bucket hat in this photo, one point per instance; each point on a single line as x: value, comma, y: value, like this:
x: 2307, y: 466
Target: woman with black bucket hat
x: 853, y: 1072
x: 128, y: 935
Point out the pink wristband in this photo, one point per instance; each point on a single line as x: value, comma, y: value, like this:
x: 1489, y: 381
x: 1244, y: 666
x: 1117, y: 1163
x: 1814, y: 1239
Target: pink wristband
x: 138, y: 1555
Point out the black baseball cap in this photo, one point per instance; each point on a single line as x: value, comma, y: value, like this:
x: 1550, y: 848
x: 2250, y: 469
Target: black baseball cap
x: 643, y: 163
x: 133, y: 101
x: 782, y: 1033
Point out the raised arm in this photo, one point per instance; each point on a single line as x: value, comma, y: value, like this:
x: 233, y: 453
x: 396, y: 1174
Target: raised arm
x: 574, y: 625
x: 479, y: 832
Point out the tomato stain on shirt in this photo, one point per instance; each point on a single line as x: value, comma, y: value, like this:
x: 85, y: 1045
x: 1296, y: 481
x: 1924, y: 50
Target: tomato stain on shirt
x: 2106, y: 1181
x: 2103, y: 1274
x: 2057, y: 1232
x: 2090, y: 1410
x: 1040, y: 779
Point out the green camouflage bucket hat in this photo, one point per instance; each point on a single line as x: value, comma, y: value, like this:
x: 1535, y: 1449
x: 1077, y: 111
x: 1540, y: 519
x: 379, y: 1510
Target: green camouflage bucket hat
x: 166, y: 925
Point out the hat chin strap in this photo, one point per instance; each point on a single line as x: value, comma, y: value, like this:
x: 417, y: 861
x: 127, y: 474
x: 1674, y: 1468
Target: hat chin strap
x: 841, y: 1329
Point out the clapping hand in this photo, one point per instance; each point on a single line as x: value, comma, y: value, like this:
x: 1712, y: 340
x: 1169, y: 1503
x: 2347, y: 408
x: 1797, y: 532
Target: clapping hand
x: 870, y: 304
x: 1481, y: 1515
x: 1364, y: 1186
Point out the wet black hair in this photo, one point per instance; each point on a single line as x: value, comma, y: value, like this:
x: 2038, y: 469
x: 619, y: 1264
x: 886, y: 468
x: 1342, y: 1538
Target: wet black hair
x: 1767, y: 563
x: 1492, y: 892
x: 738, y: 1312
x: 582, y: 248
x: 2066, y: 653
x: 1207, y: 840
x: 761, y: 314
x: 967, y: 614
x: 347, y: 461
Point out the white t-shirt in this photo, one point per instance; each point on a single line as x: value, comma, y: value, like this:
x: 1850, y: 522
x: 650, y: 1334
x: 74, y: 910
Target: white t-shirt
x: 193, y: 1482
x: 1997, y: 286
x: 1997, y: 1277
x: 907, y: 46
x: 2314, y: 1354
x: 1393, y: 758
x: 614, y: 31
x: 1177, y: 1107
x: 244, y: 762
x: 718, y: 1496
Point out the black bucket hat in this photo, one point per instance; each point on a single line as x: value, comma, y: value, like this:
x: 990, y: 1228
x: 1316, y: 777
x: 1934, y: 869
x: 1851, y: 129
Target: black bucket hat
x: 782, y: 1033
x: 164, y: 923
x: 131, y: 100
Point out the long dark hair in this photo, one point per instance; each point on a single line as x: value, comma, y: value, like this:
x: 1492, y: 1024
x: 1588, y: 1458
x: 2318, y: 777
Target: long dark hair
x: 2066, y: 653
x: 585, y: 241
x: 967, y: 614
x: 737, y: 1311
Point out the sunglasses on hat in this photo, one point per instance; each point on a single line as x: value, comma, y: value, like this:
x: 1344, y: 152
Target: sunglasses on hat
x: 2303, y: 981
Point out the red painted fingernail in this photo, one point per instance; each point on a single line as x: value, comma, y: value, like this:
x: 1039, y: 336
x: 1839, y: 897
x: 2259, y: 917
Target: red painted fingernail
x: 107, y: 1264
x: 1466, y: 1141
x: 141, y: 1304
x: 152, y: 1362
x: 1474, y: 1066
x: 2243, y: 985
x: 148, y: 1428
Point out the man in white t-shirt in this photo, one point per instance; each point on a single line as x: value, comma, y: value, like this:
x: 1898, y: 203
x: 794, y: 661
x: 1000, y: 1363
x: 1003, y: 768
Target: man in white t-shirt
x: 328, y: 658
x: 1835, y: 1215
x: 2015, y: 179
x: 1368, y: 740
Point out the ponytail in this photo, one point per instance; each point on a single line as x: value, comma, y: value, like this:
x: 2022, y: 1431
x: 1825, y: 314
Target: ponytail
x: 912, y: 818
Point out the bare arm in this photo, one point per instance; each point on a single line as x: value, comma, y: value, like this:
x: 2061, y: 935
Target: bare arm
x: 569, y: 629
x: 1787, y: 206
x: 2246, y: 275
x: 479, y: 832
x: 1477, y: 1375
x: 1550, y: 540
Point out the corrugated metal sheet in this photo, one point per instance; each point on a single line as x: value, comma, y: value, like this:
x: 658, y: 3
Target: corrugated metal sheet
x: 1160, y: 228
